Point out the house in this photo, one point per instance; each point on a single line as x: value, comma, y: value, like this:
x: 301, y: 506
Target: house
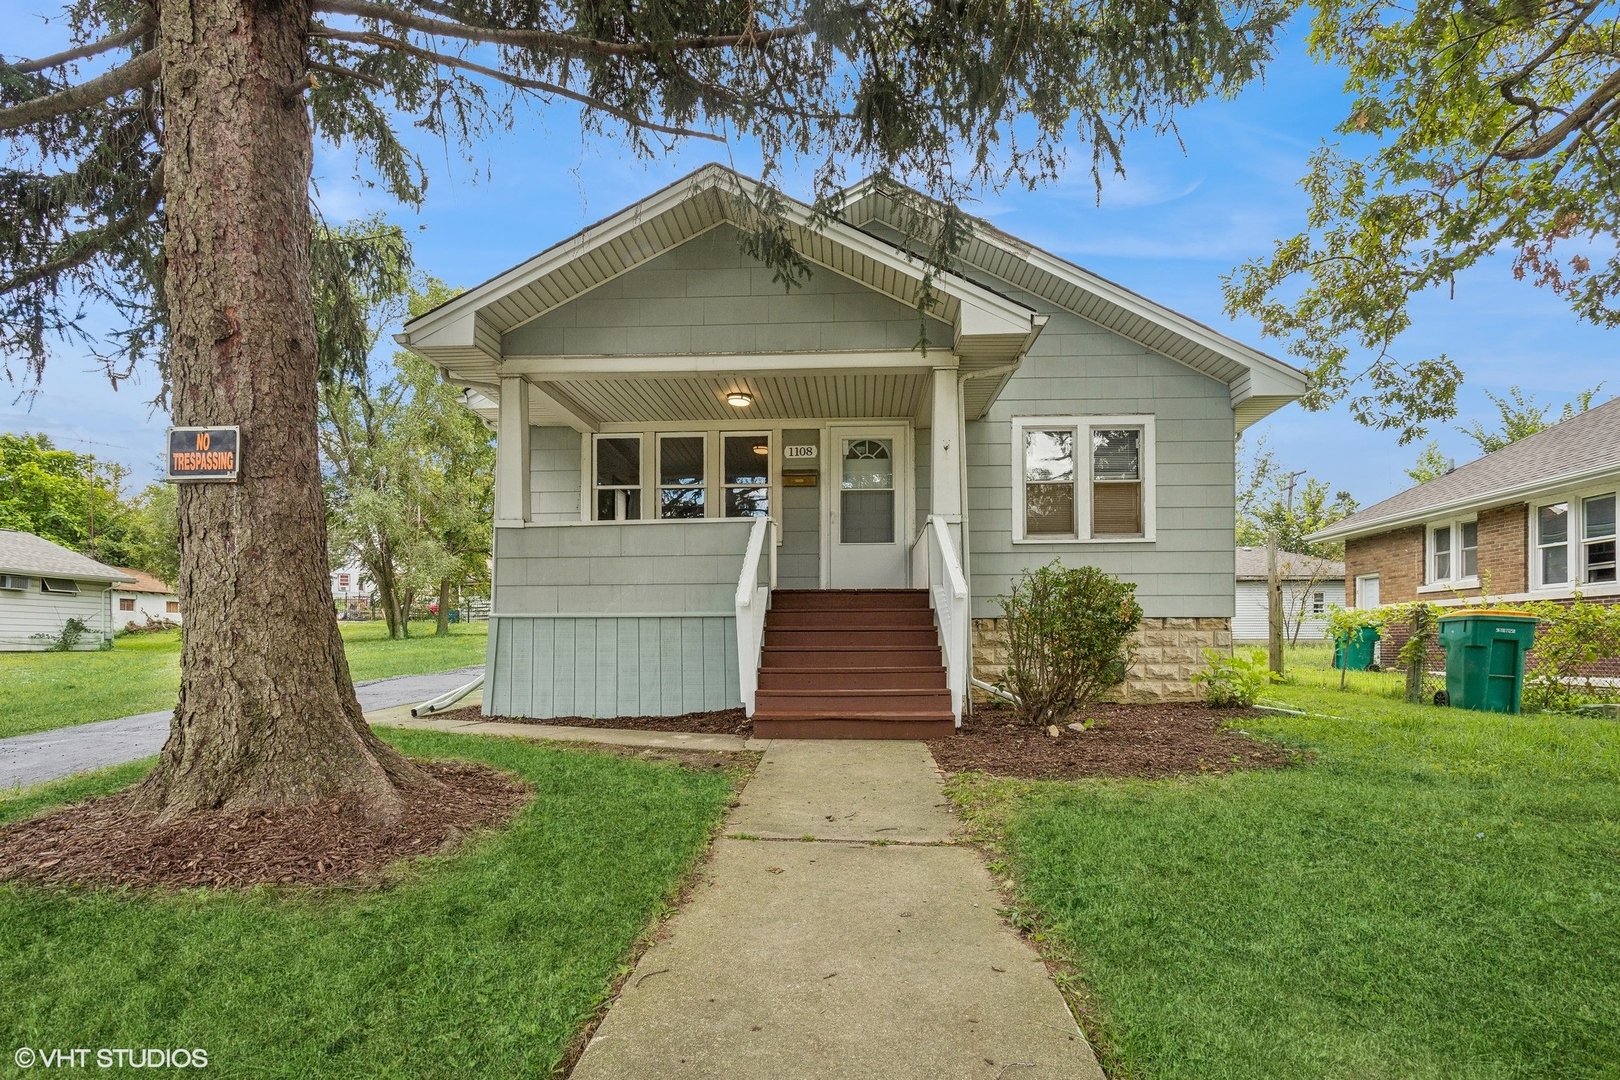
x: 351, y: 589
x: 144, y: 600
x: 1534, y: 520
x: 713, y: 491
x: 1310, y: 588
x: 44, y: 587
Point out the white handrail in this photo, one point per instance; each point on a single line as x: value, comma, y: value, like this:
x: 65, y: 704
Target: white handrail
x: 941, y: 572
x: 752, y: 600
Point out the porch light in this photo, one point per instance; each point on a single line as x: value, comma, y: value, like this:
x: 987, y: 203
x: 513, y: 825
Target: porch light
x: 739, y: 399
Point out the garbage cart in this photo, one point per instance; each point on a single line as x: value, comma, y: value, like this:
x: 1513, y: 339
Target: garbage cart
x: 1485, y: 652
x: 1356, y: 651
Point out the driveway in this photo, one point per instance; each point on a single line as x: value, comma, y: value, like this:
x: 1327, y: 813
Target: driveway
x: 51, y: 755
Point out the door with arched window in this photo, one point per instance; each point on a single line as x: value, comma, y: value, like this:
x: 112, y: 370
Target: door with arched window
x: 869, y: 479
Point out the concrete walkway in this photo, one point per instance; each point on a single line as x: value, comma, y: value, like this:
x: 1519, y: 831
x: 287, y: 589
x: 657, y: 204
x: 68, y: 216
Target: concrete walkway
x: 874, y: 950
x: 51, y: 755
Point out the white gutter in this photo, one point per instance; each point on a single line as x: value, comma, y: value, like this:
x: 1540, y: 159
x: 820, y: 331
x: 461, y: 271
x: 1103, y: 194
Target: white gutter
x: 1487, y: 499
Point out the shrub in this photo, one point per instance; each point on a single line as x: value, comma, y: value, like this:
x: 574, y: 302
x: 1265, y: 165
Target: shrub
x: 1569, y: 639
x: 1235, y: 679
x: 1069, y: 639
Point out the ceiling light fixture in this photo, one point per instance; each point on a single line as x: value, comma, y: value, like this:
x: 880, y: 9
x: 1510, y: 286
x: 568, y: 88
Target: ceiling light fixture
x: 739, y: 399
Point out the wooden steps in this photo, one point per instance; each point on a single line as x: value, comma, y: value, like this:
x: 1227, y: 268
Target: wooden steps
x: 851, y: 664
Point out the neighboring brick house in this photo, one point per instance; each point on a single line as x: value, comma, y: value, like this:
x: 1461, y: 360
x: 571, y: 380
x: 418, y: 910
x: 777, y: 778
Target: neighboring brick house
x: 1532, y: 521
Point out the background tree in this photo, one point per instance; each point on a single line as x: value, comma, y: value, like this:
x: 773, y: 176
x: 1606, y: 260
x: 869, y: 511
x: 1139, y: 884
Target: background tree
x: 1474, y: 128
x: 1271, y: 497
x: 1430, y: 465
x: 192, y: 122
x: 1519, y: 416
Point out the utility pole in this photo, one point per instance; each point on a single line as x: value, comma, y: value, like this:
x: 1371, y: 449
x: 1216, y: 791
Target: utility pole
x: 1274, y: 602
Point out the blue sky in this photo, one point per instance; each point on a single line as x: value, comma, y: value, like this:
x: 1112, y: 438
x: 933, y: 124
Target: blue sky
x: 1185, y: 214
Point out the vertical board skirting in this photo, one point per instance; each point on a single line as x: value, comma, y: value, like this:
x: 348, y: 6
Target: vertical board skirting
x: 603, y: 666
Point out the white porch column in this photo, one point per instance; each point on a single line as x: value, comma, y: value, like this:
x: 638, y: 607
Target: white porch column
x: 945, y: 456
x: 512, y: 453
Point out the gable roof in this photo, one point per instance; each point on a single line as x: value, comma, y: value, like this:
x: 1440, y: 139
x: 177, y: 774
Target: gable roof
x: 993, y: 331
x: 1584, y: 447
x: 142, y: 582
x: 25, y: 553
x: 1251, y: 566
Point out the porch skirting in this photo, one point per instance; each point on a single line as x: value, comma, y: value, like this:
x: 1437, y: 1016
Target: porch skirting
x: 611, y: 665
x: 1168, y: 653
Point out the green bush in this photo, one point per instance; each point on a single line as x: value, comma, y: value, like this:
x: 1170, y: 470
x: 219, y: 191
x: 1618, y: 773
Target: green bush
x: 1570, y: 638
x: 1235, y: 679
x: 1069, y: 639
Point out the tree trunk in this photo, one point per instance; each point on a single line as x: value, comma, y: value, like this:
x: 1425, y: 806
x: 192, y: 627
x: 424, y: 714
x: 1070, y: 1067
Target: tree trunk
x: 267, y: 714
x: 382, y: 573
x: 444, y: 609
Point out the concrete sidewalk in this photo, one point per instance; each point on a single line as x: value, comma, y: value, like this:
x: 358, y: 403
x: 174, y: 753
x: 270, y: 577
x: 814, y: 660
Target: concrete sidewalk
x: 852, y: 955
x: 51, y: 755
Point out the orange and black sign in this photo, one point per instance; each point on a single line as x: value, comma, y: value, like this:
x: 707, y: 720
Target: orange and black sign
x: 203, y: 453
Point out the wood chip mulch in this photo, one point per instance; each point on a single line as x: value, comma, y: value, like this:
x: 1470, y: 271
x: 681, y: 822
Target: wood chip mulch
x: 718, y: 722
x: 1130, y: 740
x: 103, y: 843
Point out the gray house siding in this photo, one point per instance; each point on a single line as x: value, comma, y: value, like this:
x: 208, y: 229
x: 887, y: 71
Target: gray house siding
x: 554, y: 473
x: 615, y: 619
x: 706, y: 296
x: 1078, y: 368
x: 799, y: 557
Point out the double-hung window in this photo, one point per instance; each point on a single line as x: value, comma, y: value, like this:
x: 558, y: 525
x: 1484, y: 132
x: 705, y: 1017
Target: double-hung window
x: 1453, y: 552
x: 1083, y: 478
x: 681, y: 472
x: 618, y: 477
x: 1552, y: 544
x: 746, y: 461
x: 1597, y: 539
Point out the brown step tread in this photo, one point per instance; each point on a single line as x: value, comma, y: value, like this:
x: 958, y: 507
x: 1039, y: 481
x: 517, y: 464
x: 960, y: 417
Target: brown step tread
x: 767, y: 728
x: 840, y: 657
x: 857, y: 637
x: 833, y: 619
x: 912, y: 677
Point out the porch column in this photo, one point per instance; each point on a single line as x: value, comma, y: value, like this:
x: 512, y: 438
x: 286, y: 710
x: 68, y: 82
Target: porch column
x: 945, y: 457
x: 512, y: 453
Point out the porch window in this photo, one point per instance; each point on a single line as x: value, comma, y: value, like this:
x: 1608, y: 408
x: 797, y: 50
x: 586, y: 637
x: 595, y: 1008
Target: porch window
x: 747, y: 463
x: 1116, y: 482
x: 618, y: 477
x: 1597, y: 539
x: 680, y: 475
x: 1552, y: 541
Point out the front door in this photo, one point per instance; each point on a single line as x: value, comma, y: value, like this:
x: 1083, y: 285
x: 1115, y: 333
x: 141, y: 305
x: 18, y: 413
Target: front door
x: 868, y: 478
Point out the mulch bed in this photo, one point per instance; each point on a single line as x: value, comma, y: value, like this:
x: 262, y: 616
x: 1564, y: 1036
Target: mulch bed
x: 718, y: 722
x: 1129, y: 740
x: 103, y: 842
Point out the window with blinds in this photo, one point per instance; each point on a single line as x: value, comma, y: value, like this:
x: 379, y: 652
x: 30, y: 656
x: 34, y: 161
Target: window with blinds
x: 1116, y: 482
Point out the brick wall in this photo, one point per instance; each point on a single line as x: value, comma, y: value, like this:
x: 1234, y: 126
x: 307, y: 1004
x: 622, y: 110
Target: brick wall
x: 1502, y: 540
x: 1395, y: 556
x: 1168, y: 653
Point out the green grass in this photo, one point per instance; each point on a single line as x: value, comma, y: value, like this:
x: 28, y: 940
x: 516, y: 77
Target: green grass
x: 484, y: 964
x: 1437, y: 895
x: 141, y: 673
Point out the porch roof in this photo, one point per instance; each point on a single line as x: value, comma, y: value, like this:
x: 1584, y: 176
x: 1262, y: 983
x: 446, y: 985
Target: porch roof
x: 464, y: 336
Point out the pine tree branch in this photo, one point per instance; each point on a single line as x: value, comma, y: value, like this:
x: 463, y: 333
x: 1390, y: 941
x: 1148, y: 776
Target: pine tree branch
x: 382, y: 41
x: 138, y: 72
x: 547, y: 39
x: 140, y: 29
x: 86, y: 245
x: 338, y: 72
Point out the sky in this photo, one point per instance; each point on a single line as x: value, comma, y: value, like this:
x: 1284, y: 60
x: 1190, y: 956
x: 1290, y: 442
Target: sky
x: 1186, y: 213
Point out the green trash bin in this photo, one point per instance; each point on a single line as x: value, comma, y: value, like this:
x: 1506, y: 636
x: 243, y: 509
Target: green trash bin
x: 1360, y: 652
x: 1485, y: 652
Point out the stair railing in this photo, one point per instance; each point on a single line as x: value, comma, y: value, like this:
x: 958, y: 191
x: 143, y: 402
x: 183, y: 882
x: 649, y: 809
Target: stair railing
x: 936, y: 567
x: 753, y: 599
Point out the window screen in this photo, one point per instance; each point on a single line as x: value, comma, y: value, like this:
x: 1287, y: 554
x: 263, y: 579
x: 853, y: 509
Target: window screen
x: 1049, y: 482
x: 1468, y: 549
x: 1597, y: 538
x: 1442, y: 554
x: 59, y: 585
x: 1552, y: 540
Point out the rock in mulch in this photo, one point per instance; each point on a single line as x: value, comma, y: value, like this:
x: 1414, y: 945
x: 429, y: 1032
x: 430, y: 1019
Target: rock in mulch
x: 103, y: 842
x: 1127, y: 740
x: 718, y: 722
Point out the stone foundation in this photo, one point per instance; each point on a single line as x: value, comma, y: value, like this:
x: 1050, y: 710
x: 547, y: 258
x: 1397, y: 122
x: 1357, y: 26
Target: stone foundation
x: 1168, y: 653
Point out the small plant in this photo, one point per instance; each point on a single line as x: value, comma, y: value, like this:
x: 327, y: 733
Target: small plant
x: 68, y: 637
x: 1069, y: 639
x: 1235, y: 679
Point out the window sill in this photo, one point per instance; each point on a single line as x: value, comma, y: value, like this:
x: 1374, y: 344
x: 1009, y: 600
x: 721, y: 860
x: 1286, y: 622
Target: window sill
x: 1073, y: 541
x: 1449, y: 586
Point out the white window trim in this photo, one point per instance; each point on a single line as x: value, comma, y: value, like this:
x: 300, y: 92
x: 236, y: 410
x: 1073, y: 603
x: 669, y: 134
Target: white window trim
x: 1576, y: 547
x: 1082, y: 500
x: 1432, y: 584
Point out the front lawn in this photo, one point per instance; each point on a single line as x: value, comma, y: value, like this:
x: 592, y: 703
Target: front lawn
x: 1437, y: 895
x: 485, y: 963
x: 141, y: 672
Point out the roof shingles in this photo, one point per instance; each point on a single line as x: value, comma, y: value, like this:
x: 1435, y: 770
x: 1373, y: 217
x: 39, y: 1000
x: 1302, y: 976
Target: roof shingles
x: 25, y: 553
